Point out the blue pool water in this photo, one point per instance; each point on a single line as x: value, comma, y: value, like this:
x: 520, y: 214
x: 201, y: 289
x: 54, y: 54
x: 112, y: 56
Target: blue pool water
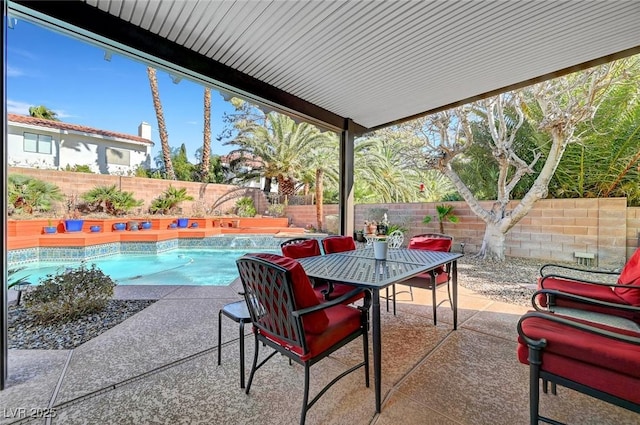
x: 176, y: 267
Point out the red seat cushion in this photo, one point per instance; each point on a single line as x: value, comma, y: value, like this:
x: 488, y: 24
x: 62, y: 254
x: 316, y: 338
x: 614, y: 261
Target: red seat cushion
x: 302, y: 249
x: 343, y: 320
x: 590, y: 359
x: 432, y: 243
x: 630, y: 275
x: 598, y: 292
x: 303, y: 292
x: 334, y: 244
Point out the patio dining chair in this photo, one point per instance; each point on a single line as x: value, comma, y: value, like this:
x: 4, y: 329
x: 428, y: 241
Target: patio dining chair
x: 429, y: 242
x: 308, y: 247
x: 596, y: 354
x: 288, y: 317
x: 593, y: 284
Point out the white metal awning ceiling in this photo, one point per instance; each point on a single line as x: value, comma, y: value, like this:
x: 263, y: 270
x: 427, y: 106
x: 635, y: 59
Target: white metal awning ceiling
x: 375, y: 62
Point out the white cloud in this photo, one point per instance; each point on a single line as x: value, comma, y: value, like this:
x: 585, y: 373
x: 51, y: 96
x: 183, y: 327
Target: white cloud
x: 17, y: 107
x: 14, y: 72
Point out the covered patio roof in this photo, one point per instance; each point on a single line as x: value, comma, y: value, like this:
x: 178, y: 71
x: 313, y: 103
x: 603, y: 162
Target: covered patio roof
x: 374, y: 62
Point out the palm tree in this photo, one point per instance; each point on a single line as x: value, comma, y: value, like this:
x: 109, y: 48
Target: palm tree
x: 43, y: 112
x: 279, y: 148
x: 206, y: 140
x: 162, y: 128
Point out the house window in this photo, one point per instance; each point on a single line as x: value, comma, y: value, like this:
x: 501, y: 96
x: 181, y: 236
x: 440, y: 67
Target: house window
x: 38, y: 143
x: 118, y: 156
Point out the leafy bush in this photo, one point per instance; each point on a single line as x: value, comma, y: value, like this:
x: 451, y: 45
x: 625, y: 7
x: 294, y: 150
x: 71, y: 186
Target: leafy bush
x: 245, y: 207
x: 28, y: 194
x: 169, y: 200
x: 276, y: 210
x: 111, y: 200
x: 70, y: 293
x: 79, y: 168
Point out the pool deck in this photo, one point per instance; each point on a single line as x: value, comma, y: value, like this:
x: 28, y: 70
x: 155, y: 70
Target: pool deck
x: 160, y: 367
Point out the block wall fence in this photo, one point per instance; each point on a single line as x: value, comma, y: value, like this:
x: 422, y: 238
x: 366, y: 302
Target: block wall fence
x: 555, y: 229
x: 72, y: 183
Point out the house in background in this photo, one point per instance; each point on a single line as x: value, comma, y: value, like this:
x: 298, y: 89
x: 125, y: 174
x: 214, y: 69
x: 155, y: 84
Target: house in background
x: 40, y: 143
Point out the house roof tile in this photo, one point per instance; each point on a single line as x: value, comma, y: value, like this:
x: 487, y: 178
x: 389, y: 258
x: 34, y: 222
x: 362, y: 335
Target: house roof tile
x: 59, y: 125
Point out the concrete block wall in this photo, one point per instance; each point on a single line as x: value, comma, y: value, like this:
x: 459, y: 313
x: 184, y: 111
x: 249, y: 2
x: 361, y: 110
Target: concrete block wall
x: 204, y: 194
x: 554, y: 230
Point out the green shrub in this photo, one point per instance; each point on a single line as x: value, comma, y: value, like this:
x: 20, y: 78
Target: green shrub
x: 28, y: 194
x: 276, y: 210
x: 78, y: 168
x: 245, y: 207
x: 110, y: 200
x: 70, y: 293
x: 169, y: 200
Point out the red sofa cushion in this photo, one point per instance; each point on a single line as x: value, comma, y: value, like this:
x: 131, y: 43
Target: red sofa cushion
x: 630, y: 275
x: 334, y: 244
x: 302, y: 249
x: 303, y: 292
x: 593, y: 360
x: 343, y: 320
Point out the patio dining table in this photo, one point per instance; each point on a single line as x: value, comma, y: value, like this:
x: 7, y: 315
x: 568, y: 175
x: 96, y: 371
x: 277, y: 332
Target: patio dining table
x: 360, y: 269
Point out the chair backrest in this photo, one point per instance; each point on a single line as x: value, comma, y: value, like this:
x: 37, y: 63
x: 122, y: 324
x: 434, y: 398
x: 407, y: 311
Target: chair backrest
x: 395, y: 239
x: 300, y: 248
x: 431, y: 242
x: 630, y: 275
x: 274, y: 287
x: 332, y: 244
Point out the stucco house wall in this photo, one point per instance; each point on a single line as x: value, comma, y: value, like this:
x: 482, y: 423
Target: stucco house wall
x: 105, y: 152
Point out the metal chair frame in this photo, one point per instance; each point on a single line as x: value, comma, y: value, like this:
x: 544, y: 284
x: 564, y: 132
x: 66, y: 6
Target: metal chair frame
x: 433, y: 286
x: 535, y: 359
x: 268, y: 292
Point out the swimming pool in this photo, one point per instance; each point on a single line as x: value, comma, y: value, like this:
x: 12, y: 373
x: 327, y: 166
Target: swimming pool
x: 214, y: 267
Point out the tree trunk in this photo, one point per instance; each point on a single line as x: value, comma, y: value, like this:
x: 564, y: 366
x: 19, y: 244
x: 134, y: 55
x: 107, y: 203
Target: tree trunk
x: 162, y: 128
x: 286, y: 186
x: 493, y: 242
x: 320, y: 198
x: 206, y: 142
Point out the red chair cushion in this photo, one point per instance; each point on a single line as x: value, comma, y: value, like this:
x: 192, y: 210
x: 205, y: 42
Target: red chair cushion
x: 593, y: 360
x: 343, y: 320
x: 598, y: 292
x: 334, y: 244
x: 630, y: 275
x: 302, y: 249
x: 430, y: 243
x: 303, y: 292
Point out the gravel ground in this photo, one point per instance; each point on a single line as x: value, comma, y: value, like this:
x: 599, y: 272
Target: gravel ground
x: 512, y: 281
x: 24, y: 332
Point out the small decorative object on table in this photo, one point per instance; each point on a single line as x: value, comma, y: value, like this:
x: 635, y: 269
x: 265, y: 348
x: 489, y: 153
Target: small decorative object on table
x: 380, y: 248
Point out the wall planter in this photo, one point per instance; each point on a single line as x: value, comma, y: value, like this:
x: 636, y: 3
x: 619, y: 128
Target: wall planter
x: 73, y: 225
x: 119, y: 226
x: 194, y: 225
x: 95, y: 228
x: 145, y: 225
x: 183, y: 222
x: 173, y: 225
x: 49, y: 229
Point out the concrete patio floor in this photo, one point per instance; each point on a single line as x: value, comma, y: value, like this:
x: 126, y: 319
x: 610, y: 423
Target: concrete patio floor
x: 160, y: 367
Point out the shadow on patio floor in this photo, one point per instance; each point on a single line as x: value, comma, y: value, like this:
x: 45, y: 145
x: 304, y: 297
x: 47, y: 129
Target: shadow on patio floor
x: 160, y: 367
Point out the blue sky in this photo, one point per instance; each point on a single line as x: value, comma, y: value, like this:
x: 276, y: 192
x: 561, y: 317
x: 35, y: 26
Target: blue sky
x: 72, y: 78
